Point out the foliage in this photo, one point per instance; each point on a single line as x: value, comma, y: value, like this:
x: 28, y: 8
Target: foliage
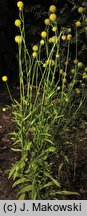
x: 55, y: 84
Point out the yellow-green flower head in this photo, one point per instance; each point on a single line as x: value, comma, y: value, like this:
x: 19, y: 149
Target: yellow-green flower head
x: 77, y: 90
x: 58, y: 88
x: 53, y: 17
x: 34, y: 54
x: 61, y: 71
x: 47, y: 21
x: 86, y: 19
x: 75, y: 61
x: 54, y: 39
x: 20, y: 5
x: 57, y: 55
x: 18, y: 22
x: 85, y: 69
x: 18, y: 39
x: 50, y: 62
x: 43, y: 34
x: 78, y: 24
x: 35, y: 48
x: 4, y: 78
x: 80, y: 64
x: 52, y: 9
x: 3, y: 109
x: 42, y: 42
x: 69, y: 37
x: 84, y: 75
x: 54, y: 29
x: 63, y: 37
x: 81, y: 10
x: 73, y: 70
x: 69, y: 30
x: 50, y: 40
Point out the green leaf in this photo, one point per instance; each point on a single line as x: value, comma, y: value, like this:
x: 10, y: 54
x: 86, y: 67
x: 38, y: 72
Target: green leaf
x: 47, y: 185
x: 26, y: 189
x: 65, y: 193
x: 56, y: 182
x: 16, y: 150
x: 22, y: 180
x: 22, y: 196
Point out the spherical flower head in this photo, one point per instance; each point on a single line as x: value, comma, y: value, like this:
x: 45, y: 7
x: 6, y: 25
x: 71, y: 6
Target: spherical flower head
x: 34, y: 54
x: 58, y: 88
x: 77, y: 90
x: 18, y: 39
x: 81, y: 10
x: 80, y: 64
x: 63, y: 37
x: 54, y: 39
x: 4, y: 78
x: 69, y: 30
x: 85, y: 19
x: 76, y: 61
x: 84, y: 75
x: 54, y: 29
x: 73, y: 70
x: 85, y: 69
x: 53, y: 17
x: 69, y: 37
x: 17, y: 22
x: 57, y: 55
x: 43, y: 34
x: 50, y: 40
x: 61, y: 71
x: 35, y: 48
x: 42, y: 42
x: 3, y: 109
x: 47, y: 21
x: 78, y: 24
x: 52, y: 9
x: 20, y: 5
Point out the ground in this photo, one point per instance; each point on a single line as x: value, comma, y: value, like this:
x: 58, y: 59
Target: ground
x: 7, y: 157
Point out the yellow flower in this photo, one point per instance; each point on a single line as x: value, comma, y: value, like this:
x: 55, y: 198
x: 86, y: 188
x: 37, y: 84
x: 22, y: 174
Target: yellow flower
x: 18, y: 39
x: 17, y: 22
x: 73, y: 70
x: 77, y: 90
x: 20, y: 5
x: 80, y: 64
x: 34, y: 54
x: 57, y: 55
x: 69, y: 37
x: 3, y: 109
x: 81, y: 10
x: 78, y: 24
x: 4, y: 78
x: 84, y: 75
x: 69, y: 30
x: 61, y: 71
x: 58, y: 88
x: 42, y: 42
x: 63, y: 37
x: 53, y: 17
x: 85, y: 69
x: 52, y: 8
x: 43, y: 34
x: 47, y: 21
x: 50, y: 40
x: 85, y: 19
x: 54, y: 29
x: 75, y: 61
x: 54, y: 39
x: 35, y: 48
